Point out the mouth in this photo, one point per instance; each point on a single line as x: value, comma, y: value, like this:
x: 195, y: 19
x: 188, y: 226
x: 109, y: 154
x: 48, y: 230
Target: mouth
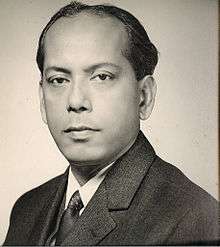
x: 80, y: 133
x: 80, y: 129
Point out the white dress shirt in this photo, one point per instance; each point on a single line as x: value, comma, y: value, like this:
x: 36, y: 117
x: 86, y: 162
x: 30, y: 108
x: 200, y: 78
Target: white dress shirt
x: 88, y: 189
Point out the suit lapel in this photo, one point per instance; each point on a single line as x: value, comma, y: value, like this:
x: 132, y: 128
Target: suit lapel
x: 115, y: 193
x: 50, y: 212
x: 125, y: 177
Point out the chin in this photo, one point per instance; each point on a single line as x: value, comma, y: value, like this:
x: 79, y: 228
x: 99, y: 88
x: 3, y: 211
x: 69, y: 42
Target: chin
x: 85, y: 157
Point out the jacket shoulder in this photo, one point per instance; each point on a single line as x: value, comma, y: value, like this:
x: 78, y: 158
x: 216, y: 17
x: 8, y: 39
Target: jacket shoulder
x: 196, y: 211
x: 33, y: 200
x: 26, y: 210
x: 38, y: 194
x: 177, y: 181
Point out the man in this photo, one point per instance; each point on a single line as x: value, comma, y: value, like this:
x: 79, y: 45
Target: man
x: 96, y: 64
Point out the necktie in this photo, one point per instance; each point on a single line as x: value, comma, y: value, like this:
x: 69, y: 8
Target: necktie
x: 69, y: 218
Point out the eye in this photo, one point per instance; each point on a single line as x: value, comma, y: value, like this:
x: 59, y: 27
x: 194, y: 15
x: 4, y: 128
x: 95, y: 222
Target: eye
x: 57, y: 81
x: 102, y: 77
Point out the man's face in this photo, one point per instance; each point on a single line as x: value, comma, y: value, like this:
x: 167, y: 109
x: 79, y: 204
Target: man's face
x: 89, y: 97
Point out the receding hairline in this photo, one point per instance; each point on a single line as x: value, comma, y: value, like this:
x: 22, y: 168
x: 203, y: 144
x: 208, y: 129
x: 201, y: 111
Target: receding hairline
x: 89, y: 13
x: 139, y: 51
x: 125, y: 45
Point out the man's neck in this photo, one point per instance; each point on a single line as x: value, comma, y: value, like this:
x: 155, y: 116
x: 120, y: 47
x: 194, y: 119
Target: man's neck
x: 84, y: 172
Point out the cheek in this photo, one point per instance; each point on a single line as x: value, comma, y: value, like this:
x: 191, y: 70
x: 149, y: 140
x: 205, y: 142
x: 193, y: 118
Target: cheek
x: 118, y: 108
x: 55, y: 111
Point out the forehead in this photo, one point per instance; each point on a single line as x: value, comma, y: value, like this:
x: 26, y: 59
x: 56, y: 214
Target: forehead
x: 103, y: 34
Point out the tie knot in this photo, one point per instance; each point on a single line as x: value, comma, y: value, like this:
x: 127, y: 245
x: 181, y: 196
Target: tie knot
x: 75, y: 203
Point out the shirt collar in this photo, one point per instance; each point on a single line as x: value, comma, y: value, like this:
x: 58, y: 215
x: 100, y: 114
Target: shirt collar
x: 88, y: 189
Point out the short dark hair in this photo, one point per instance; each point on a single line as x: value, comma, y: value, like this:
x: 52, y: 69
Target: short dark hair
x: 141, y: 53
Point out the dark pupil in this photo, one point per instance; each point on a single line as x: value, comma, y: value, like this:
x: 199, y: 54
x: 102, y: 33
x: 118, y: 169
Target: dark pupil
x: 102, y: 76
x: 59, y: 80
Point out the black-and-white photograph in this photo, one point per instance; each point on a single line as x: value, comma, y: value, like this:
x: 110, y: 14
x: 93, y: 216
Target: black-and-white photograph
x: 109, y: 122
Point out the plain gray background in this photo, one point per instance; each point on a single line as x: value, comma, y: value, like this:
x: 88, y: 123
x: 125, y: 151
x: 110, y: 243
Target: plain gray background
x: 182, y: 128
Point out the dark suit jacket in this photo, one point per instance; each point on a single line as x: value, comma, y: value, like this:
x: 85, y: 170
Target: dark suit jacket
x: 142, y: 201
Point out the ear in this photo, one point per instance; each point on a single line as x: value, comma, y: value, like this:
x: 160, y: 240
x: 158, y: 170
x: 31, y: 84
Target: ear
x: 148, y: 89
x: 42, y: 104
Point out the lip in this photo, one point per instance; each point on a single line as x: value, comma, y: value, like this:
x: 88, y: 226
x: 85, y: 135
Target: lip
x: 80, y: 133
x: 79, y: 129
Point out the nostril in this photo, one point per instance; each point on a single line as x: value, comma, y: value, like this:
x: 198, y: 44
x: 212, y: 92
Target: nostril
x: 76, y: 109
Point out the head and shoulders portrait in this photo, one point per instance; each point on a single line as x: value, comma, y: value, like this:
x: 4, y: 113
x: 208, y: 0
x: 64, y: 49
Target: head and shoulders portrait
x: 126, y: 153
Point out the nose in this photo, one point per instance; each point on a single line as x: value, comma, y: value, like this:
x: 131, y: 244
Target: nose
x: 78, y: 98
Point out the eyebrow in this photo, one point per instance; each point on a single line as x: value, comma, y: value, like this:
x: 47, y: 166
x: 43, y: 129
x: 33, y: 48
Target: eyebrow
x: 58, y: 69
x: 100, y: 65
x: 87, y: 70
